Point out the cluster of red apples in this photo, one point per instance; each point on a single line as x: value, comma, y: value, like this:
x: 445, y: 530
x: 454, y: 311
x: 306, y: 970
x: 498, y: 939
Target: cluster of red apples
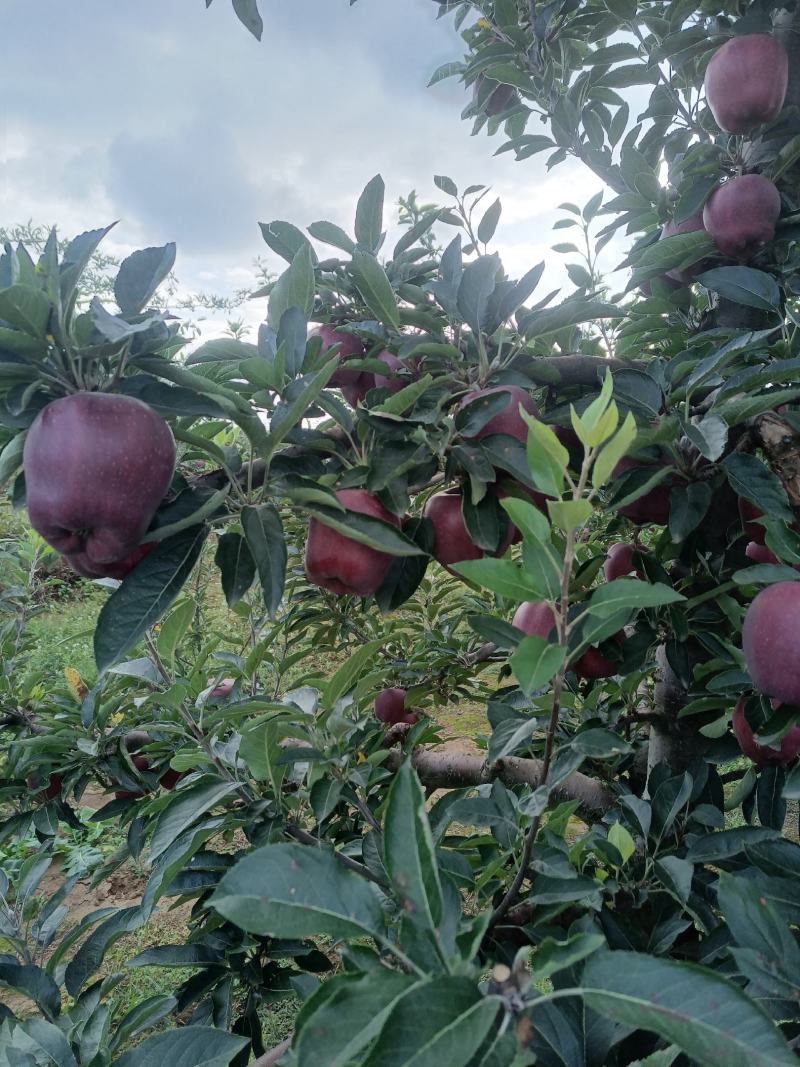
x: 745, y: 86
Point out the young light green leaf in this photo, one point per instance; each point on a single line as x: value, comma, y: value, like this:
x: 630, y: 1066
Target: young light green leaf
x: 536, y: 662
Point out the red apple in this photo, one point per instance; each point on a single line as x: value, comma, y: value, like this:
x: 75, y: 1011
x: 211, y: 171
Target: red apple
x: 653, y: 506
x: 355, y: 391
x: 760, y: 553
x: 746, y: 82
x: 223, y: 690
x: 620, y: 562
x: 538, y: 620
x: 771, y: 641
x: 748, y: 513
x: 671, y: 229
x: 45, y: 792
x: 349, y: 348
x: 763, y: 755
x: 508, y: 421
x: 741, y: 215
x: 499, y: 100
x: 390, y: 381
x: 452, y: 543
x: 97, y: 466
x: 390, y: 708
x: 336, y: 562
x: 141, y: 763
x: 170, y: 778
x: 119, y: 569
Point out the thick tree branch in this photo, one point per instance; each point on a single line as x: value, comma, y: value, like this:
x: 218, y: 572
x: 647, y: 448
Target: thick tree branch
x: 443, y: 769
x: 573, y: 369
x: 782, y: 445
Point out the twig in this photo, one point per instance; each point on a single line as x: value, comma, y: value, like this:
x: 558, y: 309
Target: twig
x: 274, y: 1056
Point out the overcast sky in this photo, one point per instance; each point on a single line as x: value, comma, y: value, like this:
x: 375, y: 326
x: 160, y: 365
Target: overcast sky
x: 176, y: 121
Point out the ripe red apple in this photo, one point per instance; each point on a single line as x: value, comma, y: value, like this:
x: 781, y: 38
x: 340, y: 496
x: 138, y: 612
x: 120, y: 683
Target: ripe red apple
x: 355, y: 391
x: 508, y: 421
x: 671, y: 229
x: 97, y: 466
x: 452, y: 543
x: 45, y: 792
x: 390, y: 708
x: 741, y: 215
x: 537, y: 619
x: 349, y: 348
x: 760, y: 553
x: 771, y: 641
x: 746, y: 82
x: 748, y: 513
x: 118, y: 569
x: 653, y: 506
x: 141, y: 763
x: 390, y: 381
x: 336, y: 562
x: 620, y: 562
x: 763, y: 755
x: 223, y: 690
x: 136, y: 739
x: 170, y: 778
x: 499, y: 100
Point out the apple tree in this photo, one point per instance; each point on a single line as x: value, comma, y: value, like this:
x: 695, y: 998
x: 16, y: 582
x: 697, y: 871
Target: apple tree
x: 579, y: 509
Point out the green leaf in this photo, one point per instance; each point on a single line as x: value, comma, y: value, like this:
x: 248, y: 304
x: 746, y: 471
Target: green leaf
x: 568, y: 515
x: 345, y: 1015
x: 612, y: 453
x: 744, y: 285
x: 294, y: 289
x: 599, y: 743
x: 184, y: 809
x: 528, y: 519
x: 547, y: 458
x: 752, y: 479
x: 536, y: 662
x: 711, y: 1019
x: 145, y: 595
x: 11, y: 458
x: 409, y: 853
x: 285, y: 239
x: 553, y: 956
x: 369, y: 214
x: 289, y: 418
x: 571, y: 312
x: 47, y: 1038
x: 331, y: 234
x: 187, y: 1046
x: 31, y: 981
x: 502, y: 576
x: 174, y: 628
x: 443, y: 1021
x: 236, y: 565
x: 676, y: 874
x: 348, y: 674
x: 623, y: 593
x: 476, y: 286
x: 263, y: 532
x: 488, y: 224
x: 367, y: 531
x: 140, y: 275
x: 26, y: 309
x: 622, y: 841
x: 376, y: 289
x: 297, y: 891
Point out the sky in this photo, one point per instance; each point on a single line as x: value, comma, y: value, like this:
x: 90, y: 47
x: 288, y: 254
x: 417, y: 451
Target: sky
x: 176, y: 121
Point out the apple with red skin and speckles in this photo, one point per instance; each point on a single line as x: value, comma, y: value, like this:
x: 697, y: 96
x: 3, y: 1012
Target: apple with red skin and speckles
x: 336, y: 562
x: 120, y: 569
x: 653, y: 506
x: 771, y: 642
x: 45, y: 792
x: 760, y: 553
x: 141, y: 763
x: 746, y: 82
x: 538, y: 620
x: 452, y: 543
x: 741, y: 215
x: 97, y: 466
x: 349, y: 348
x: 620, y: 562
x: 509, y: 420
x: 671, y: 229
x: 764, y: 755
x: 390, y: 708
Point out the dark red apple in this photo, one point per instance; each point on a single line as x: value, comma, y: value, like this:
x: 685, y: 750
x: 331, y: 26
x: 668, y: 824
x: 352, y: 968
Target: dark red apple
x: 355, y: 391
x: 135, y: 740
x: 508, y: 421
x: 170, y: 778
x: 620, y: 562
x: 452, y: 543
x: 771, y: 641
x: 336, y: 562
x: 141, y: 763
x: 536, y: 619
x: 671, y: 229
x: 746, y: 82
x: 653, y: 506
x: 390, y: 380
x: 97, y: 466
x: 741, y: 215
x: 749, y: 512
x: 119, y: 569
x: 390, y: 708
x: 763, y: 755
x: 760, y: 553
x: 349, y: 348
x: 499, y: 100
x: 42, y: 791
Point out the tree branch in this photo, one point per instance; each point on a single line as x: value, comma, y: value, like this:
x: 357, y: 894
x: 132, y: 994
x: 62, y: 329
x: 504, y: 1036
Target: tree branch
x: 572, y: 369
x: 274, y: 1056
